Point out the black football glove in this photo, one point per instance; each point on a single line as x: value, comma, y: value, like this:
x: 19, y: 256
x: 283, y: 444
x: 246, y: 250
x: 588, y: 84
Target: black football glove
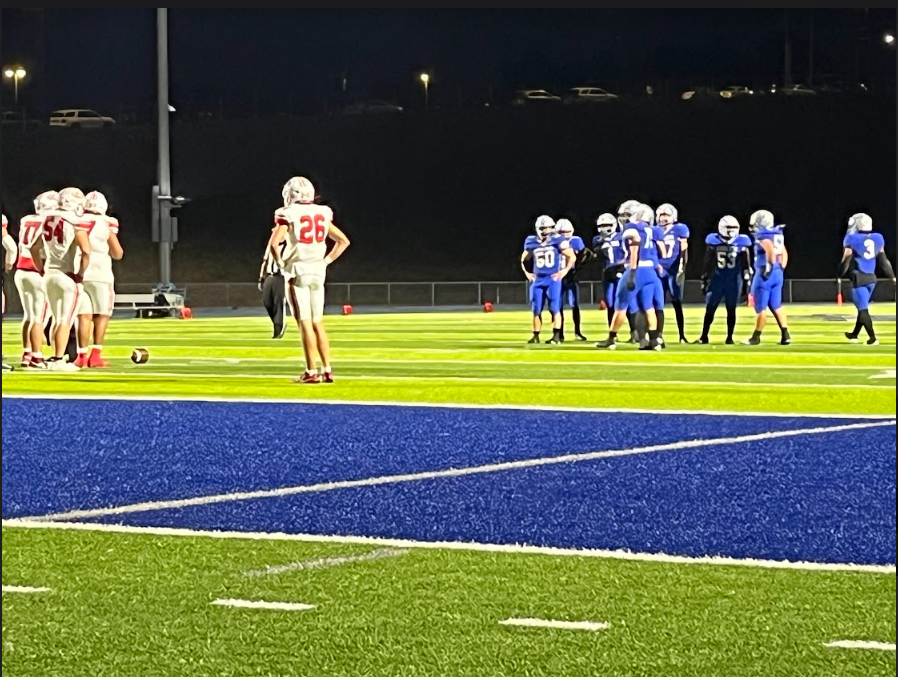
x: 631, y: 281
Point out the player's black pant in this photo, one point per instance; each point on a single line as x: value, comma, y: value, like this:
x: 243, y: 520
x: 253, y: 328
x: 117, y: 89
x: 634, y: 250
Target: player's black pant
x: 71, y: 348
x: 274, y: 298
x: 570, y: 294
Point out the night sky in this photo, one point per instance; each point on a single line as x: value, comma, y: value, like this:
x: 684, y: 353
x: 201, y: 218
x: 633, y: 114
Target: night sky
x: 106, y: 58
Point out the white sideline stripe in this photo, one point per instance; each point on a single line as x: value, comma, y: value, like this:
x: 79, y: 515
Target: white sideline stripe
x: 323, y: 562
x: 251, y: 604
x: 432, y: 405
x: 320, y: 487
x: 515, y: 549
x: 561, y: 625
x: 552, y: 363
x: 23, y: 589
x: 888, y: 373
x: 857, y: 644
x: 491, y: 379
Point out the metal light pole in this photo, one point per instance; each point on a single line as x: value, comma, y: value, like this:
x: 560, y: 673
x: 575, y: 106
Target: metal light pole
x: 164, y: 166
x: 425, y: 78
x: 16, y: 73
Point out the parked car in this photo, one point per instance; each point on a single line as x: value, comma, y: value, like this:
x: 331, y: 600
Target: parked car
x: 792, y: 90
x: 531, y: 96
x: 736, y: 91
x: 371, y: 106
x: 588, y: 95
x: 79, y: 117
x: 842, y: 89
x: 15, y: 118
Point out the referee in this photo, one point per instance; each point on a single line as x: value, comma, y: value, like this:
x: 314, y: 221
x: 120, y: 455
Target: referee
x: 273, y: 287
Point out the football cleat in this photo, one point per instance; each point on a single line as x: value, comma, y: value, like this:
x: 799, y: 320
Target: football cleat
x: 81, y: 361
x: 752, y: 341
x: 581, y: 337
x: 701, y: 340
x: 730, y: 341
x: 97, y: 362
x: 851, y: 337
x: 7, y: 367
x: 327, y: 377
x: 533, y: 339
x: 308, y: 378
x: 38, y: 364
x: 872, y: 342
x: 608, y: 343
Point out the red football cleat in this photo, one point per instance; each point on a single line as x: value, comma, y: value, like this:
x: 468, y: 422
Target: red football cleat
x: 97, y: 361
x: 308, y: 378
x: 81, y: 361
x: 327, y: 377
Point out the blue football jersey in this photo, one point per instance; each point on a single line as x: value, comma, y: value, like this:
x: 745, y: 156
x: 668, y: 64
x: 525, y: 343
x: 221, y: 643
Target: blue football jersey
x: 649, y: 237
x: 775, y: 235
x: 672, y: 237
x: 547, y: 256
x: 865, y: 247
x: 612, y: 249
x: 729, y: 262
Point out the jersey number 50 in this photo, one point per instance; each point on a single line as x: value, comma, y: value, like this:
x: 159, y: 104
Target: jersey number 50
x: 312, y: 229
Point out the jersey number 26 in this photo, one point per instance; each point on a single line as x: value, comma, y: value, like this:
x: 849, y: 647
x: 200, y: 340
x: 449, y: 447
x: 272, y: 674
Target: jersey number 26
x: 312, y: 229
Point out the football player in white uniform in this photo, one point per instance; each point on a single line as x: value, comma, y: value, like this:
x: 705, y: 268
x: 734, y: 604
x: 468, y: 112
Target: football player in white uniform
x: 307, y: 227
x: 64, y: 237
x: 9, y: 259
x: 99, y: 282
x: 30, y: 279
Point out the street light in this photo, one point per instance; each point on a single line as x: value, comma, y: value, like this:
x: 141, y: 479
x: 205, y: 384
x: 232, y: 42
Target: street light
x: 425, y: 78
x: 16, y: 73
x: 889, y: 39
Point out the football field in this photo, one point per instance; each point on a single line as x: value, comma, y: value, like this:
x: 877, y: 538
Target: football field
x: 457, y: 503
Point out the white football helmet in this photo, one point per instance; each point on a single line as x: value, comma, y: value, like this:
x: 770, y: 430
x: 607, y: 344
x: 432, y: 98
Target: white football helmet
x: 666, y: 214
x: 606, y: 224
x: 564, y: 228
x: 625, y: 211
x: 545, y: 227
x: 642, y: 213
x: 298, y: 189
x: 759, y: 220
x: 728, y: 228
x: 46, y: 201
x: 95, y: 203
x: 71, y: 199
x: 860, y: 222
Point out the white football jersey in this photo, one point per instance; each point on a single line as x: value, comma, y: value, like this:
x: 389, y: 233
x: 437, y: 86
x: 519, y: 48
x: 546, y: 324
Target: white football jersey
x: 59, y: 240
x: 307, y: 229
x: 99, y: 226
x: 31, y: 231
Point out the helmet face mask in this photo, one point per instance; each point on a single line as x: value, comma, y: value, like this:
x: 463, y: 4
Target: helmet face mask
x: 625, y: 211
x: 606, y: 224
x: 728, y: 228
x: 666, y: 214
x: 545, y: 227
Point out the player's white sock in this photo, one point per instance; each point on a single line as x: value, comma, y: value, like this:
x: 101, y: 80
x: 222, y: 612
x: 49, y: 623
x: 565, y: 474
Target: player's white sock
x: 82, y: 351
x: 325, y: 370
x: 37, y: 356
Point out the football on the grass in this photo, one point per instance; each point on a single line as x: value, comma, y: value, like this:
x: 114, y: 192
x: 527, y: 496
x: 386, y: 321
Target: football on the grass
x: 139, y: 356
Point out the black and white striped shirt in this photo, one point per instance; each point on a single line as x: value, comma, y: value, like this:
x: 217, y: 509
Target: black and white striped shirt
x: 269, y: 265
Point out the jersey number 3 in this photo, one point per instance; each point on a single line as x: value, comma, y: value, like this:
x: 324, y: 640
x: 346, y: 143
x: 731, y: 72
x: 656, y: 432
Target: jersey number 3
x: 312, y: 229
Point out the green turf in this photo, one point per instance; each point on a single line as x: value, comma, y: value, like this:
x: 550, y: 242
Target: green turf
x: 126, y: 604
x: 483, y: 358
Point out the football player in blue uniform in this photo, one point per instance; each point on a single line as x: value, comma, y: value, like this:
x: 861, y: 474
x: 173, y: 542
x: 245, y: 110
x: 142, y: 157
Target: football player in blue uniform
x: 608, y: 246
x: 642, y: 280
x: 673, y: 277
x: 552, y: 260
x: 570, y: 286
x: 635, y: 318
x: 727, y: 267
x: 771, y: 259
x: 866, y: 249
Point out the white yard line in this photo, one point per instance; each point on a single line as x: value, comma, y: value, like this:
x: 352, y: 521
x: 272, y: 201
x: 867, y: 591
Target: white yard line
x: 25, y: 589
x: 138, y: 373
x: 858, y: 644
x: 561, y: 625
x: 888, y: 373
x: 466, y: 546
x: 434, y: 405
x: 148, y: 506
x: 553, y: 363
x: 324, y: 562
x: 252, y: 604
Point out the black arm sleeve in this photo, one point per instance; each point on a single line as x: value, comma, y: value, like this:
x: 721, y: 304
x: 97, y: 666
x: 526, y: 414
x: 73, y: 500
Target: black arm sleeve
x: 746, y: 254
x: 883, y: 262
x: 708, y: 264
x: 843, y: 266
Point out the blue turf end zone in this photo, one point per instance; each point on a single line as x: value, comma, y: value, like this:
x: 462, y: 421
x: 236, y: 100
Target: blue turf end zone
x: 826, y: 497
